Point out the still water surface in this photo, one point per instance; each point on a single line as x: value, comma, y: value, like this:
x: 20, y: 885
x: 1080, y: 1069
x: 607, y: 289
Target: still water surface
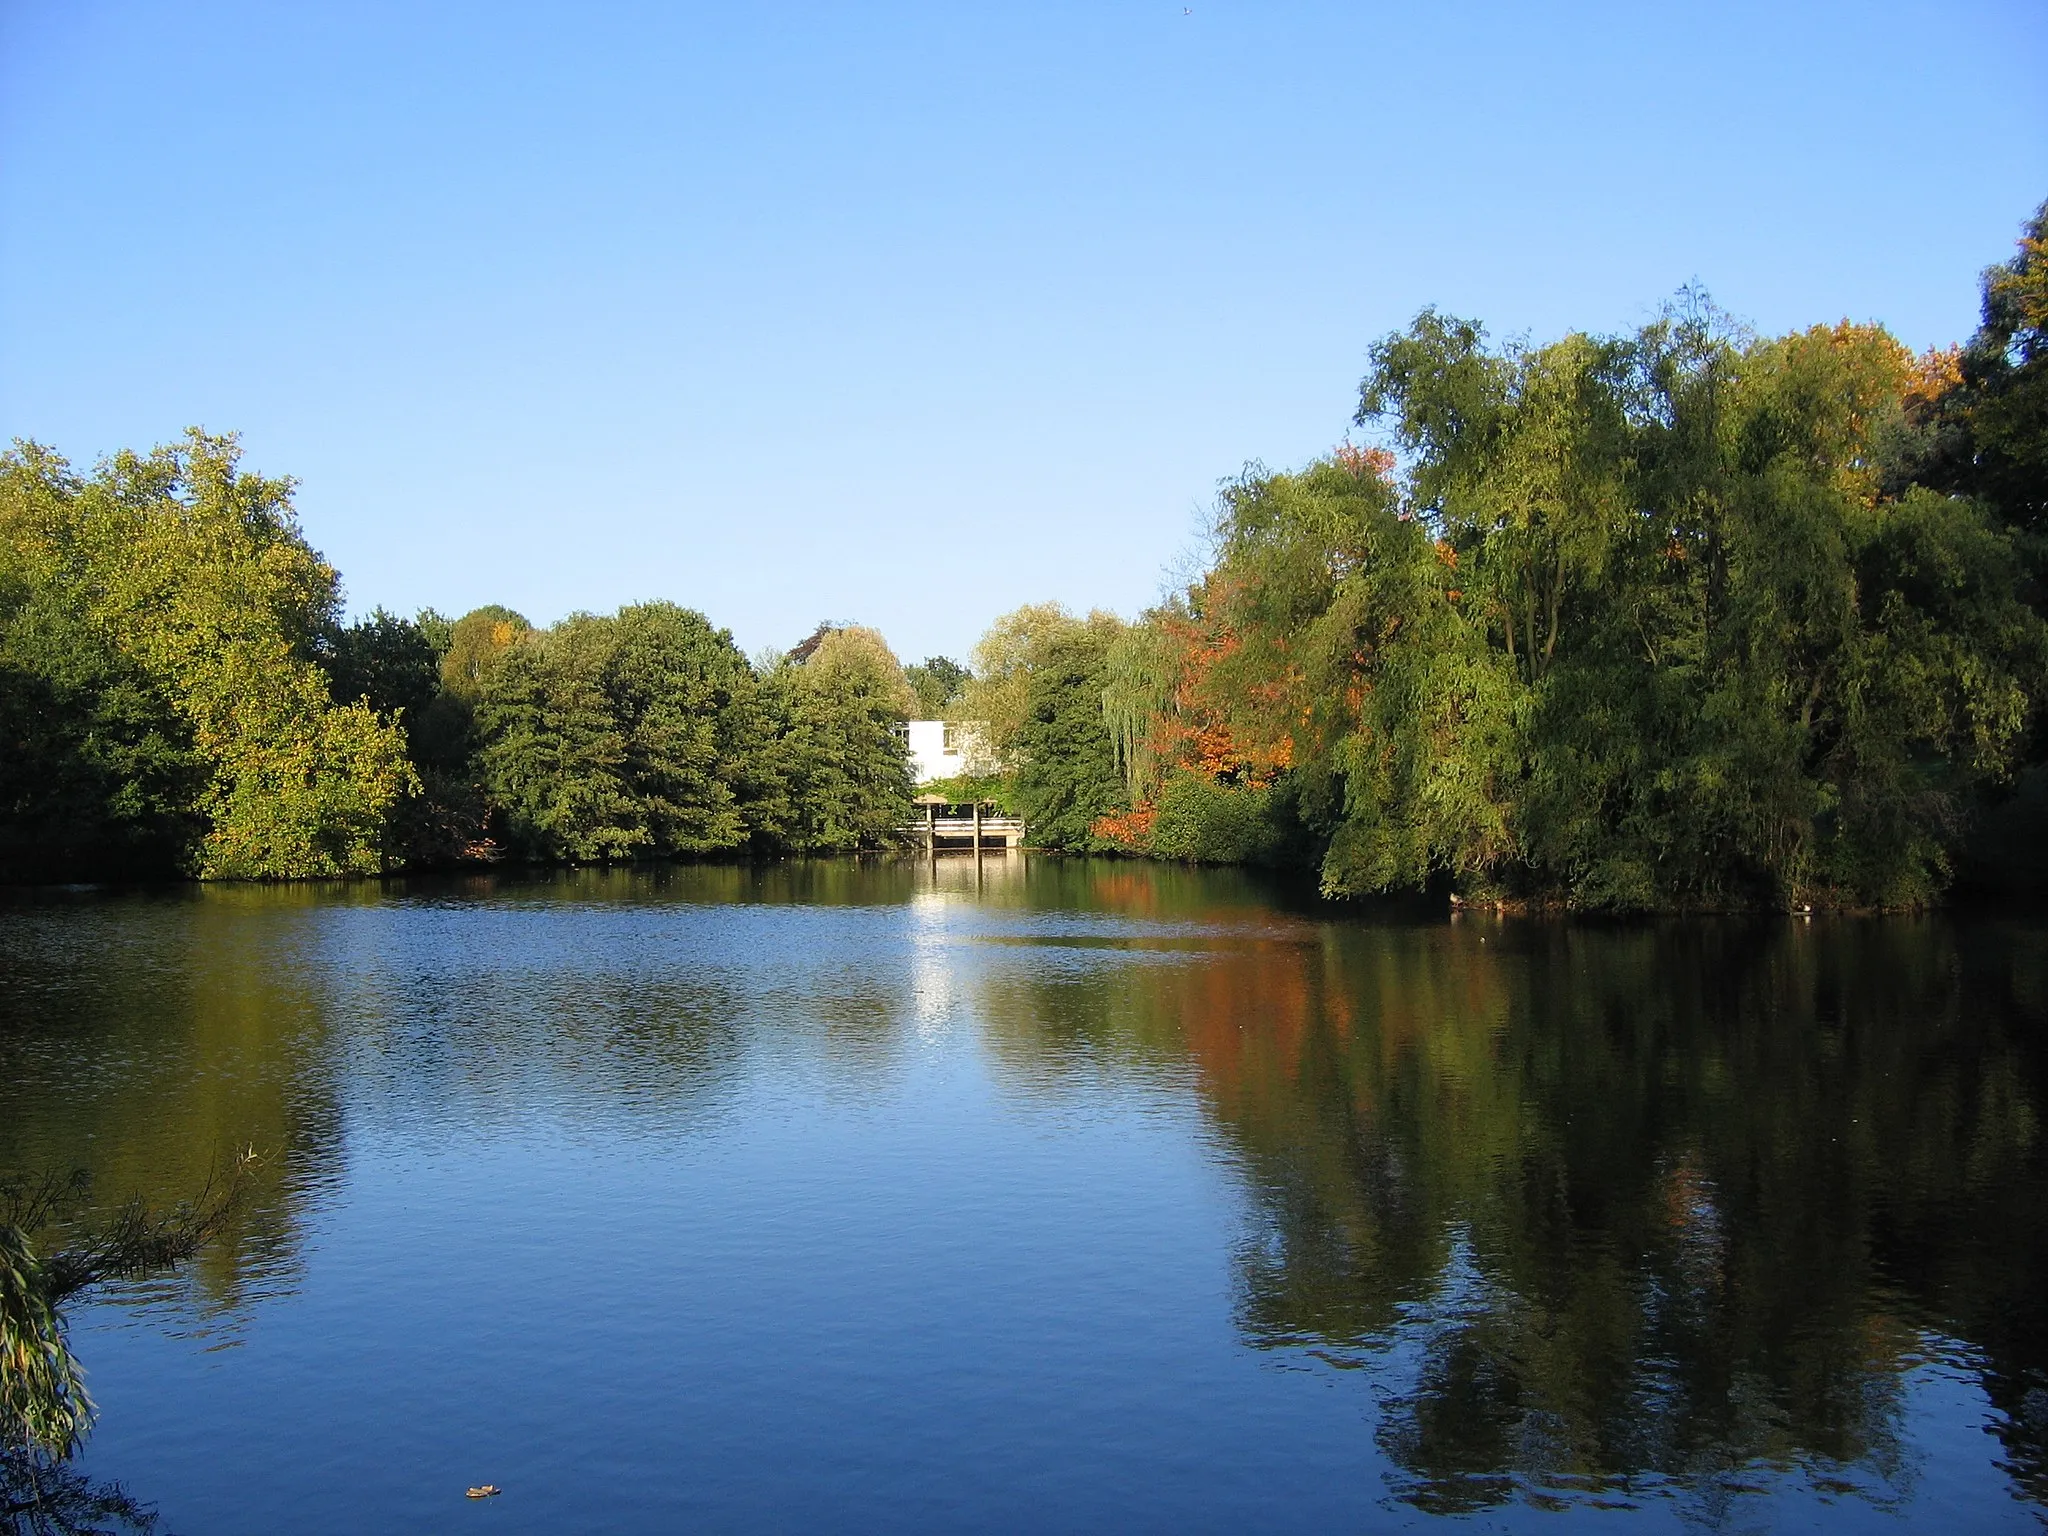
x: 1050, y: 1196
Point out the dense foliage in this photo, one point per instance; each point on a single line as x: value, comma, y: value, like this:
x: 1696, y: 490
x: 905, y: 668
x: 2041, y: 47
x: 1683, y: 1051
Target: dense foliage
x: 1036, y: 703
x: 647, y: 734
x: 159, y: 690
x: 1677, y: 618
x: 1977, y: 421
x: 938, y: 682
x: 179, y: 695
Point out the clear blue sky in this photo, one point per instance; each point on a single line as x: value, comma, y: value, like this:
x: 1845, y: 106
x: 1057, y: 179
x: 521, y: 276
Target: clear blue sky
x: 763, y: 307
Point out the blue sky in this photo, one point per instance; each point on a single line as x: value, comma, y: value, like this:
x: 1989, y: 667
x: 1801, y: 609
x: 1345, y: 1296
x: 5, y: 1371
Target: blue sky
x: 775, y: 310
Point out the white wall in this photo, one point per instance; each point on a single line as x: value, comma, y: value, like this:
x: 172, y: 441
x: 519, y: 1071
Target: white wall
x: 930, y: 755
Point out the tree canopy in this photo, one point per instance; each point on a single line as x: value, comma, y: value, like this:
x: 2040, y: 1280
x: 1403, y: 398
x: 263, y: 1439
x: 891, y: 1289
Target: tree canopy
x: 159, y: 662
x: 938, y: 682
x: 183, y: 697
x: 1036, y: 701
x: 1682, y: 617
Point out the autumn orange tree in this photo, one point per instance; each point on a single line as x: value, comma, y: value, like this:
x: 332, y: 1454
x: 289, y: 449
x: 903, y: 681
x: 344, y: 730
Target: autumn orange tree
x: 1200, y: 744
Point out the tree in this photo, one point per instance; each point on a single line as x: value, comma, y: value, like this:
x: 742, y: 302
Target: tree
x: 1356, y: 664
x: 1066, y: 775
x: 552, y: 753
x: 647, y: 735
x: 476, y: 642
x: 857, y: 663
x: 998, y: 694
x: 938, y: 682
x: 677, y: 687
x: 1037, y: 697
x: 470, y: 650
x: 191, y: 583
x: 1982, y: 411
x: 829, y: 770
x: 832, y: 766
x: 1189, y: 722
x: 389, y: 663
x: 101, y: 778
x: 1647, y: 622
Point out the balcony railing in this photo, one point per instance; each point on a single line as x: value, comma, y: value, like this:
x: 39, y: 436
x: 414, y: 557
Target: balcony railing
x: 945, y: 833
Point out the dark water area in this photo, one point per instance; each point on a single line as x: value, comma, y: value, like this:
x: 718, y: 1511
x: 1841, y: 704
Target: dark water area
x: 1049, y: 1195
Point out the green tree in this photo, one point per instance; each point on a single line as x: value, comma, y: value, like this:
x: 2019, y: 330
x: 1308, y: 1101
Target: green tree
x: 997, y: 696
x: 1067, y: 776
x: 1361, y: 665
x: 1205, y: 821
x: 678, y: 687
x: 475, y: 643
x: 391, y: 664
x: 196, y: 577
x: 619, y: 737
x: 829, y: 769
x: 1037, y: 698
x: 938, y: 682
x: 1644, y: 624
x: 1977, y: 425
x: 100, y: 778
x: 1982, y: 414
x: 470, y: 649
x: 856, y: 662
x: 552, y: 754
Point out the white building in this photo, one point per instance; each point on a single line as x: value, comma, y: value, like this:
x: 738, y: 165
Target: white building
x: 939, y: 748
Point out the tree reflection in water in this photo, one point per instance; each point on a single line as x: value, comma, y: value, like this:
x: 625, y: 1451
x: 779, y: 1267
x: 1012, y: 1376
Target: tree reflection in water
x: 39, y: 1497
x: 1614, y: 1211
x: 1599, y: 1214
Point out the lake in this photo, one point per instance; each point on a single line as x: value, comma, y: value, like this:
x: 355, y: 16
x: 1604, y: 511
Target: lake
x: 1046, y: 1194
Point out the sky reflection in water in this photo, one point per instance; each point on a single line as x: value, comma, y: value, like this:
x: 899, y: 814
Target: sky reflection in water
x: 1078, y: 1195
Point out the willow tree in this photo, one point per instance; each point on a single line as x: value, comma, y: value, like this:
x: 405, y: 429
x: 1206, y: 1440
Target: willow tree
x: 1361, y: 665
